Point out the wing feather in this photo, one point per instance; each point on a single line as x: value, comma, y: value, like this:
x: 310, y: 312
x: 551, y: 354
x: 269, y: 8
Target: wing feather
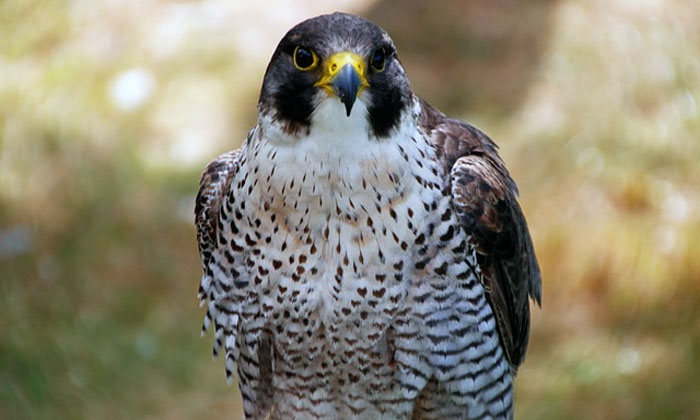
x: 485, y: 198
x: 222, y: 288
x: 213, y: 185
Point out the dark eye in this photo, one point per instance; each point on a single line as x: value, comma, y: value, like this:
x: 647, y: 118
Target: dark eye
x: 304, y: 58
x: 378, y: 59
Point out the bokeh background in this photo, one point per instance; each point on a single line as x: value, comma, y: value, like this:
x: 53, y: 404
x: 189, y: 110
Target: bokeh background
x: 109, y: 110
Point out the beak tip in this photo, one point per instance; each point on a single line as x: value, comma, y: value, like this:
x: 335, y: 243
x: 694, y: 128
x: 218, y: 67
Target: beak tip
x: 347, y: 83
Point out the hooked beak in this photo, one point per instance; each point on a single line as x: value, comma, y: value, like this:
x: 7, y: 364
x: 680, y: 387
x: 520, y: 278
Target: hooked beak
x: 347, y: 84
x: 344, y: 77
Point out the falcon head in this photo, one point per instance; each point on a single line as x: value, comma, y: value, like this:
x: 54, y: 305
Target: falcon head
x: 335, y: 69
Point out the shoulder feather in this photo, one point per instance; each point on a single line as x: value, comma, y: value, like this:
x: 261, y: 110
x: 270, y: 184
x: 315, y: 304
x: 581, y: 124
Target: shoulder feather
x: 485, y: 198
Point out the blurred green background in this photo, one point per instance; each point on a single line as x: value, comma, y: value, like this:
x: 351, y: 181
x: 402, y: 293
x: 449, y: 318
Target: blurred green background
x: 110, y: 110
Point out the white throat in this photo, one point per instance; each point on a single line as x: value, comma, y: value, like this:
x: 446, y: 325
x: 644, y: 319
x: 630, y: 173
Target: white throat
x: 332, y: 133
x: 340, y: 152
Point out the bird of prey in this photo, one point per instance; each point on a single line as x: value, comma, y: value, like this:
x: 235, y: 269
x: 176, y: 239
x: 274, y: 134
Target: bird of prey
x: 364, y: 255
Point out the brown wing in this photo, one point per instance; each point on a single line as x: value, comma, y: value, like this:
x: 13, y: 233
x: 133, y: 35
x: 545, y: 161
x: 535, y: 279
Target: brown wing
x: 485, y: 198
x: 218, y: 285
x: 214, y: 183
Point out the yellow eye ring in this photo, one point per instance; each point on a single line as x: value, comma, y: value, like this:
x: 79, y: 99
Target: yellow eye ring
x: 304, y: 58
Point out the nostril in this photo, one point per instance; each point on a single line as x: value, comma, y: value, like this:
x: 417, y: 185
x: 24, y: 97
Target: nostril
x: 334, y: 66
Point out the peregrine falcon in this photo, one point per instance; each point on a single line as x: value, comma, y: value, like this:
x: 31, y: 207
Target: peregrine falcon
x: 364, y: 256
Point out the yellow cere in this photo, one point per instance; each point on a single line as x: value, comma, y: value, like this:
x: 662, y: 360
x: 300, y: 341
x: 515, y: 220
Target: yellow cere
x: 334, y: 63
